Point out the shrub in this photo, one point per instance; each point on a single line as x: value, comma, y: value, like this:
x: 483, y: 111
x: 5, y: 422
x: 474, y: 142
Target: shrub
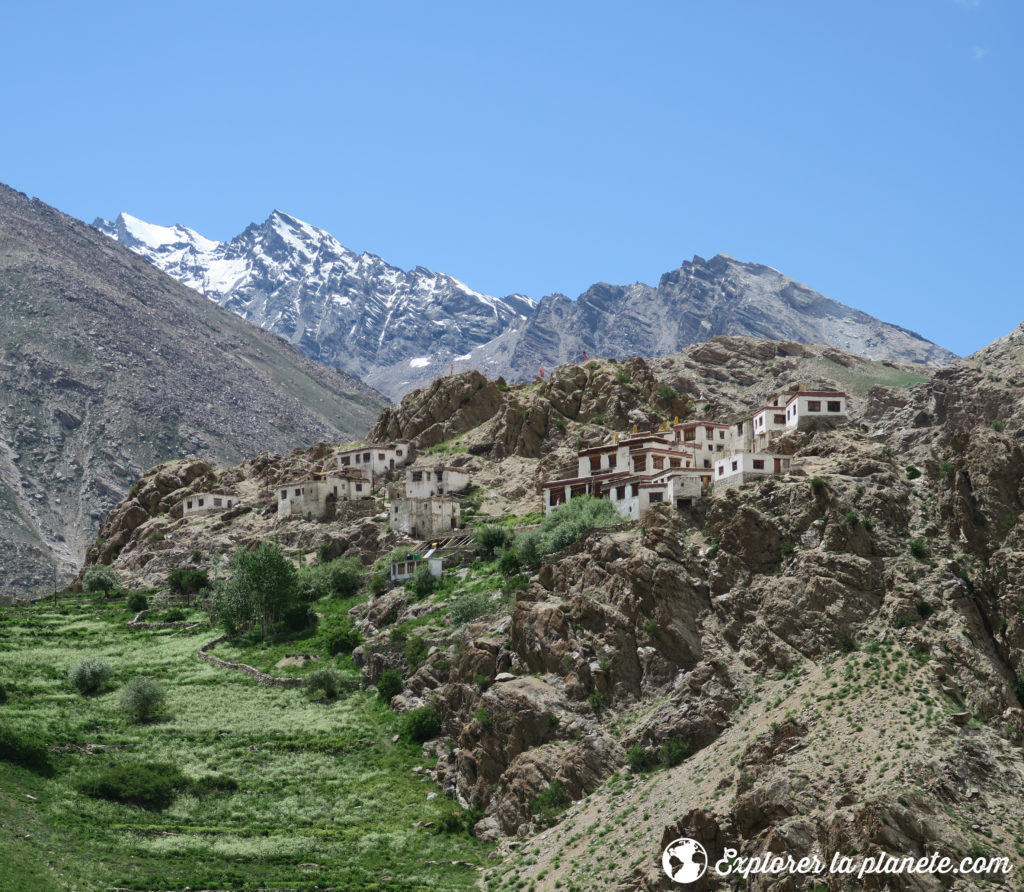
x: 422, y: 582
x: 652, y: 629
x: 187, y: 580
x: 421, y: 724
x: 174, y: 615
x: 674, y: 751
x: 343, y: 638
x: 88, y: 675
x: 622, y: 377
x: 263, y: 585
x: 817, y: 484
x: 510, y: 562
x: 594, y: 700
x: 142, y: 698
x: 846, y: 640
x: 912, y: 473
x: 100, y: 578
x: 1018, y: 687
x: 389, y: 684
x: 299, y: 618
x: 851, y: 519
x: 947, y: 469
x: 667, y: 393
x: 380, y: 580
x: 206, y: 784
x: 998, y: 426
x: 415, y: 652
x: 597, y: 419
x: 490, y: 540
x: 786, y: 548
x: 518, y: 583
x: 484, y: 718
x: 568, y: 522
x: 550, y: 802
x: 26, y: 750
x: 346, y: 578
x: 924, y: 609
x: 469, y: 606
x: 324, y: 684
x: 137, y: 602
x: 639, y: 758
x: 919, y: 548
x: 151, y: 785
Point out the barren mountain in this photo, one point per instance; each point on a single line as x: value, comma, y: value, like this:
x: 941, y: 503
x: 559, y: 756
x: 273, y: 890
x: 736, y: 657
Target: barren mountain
x: 399, y: 330
x: 108, y: 366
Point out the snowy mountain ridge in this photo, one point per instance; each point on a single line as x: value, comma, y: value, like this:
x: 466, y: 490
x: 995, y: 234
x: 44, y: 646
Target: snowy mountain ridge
x: 352, y: 311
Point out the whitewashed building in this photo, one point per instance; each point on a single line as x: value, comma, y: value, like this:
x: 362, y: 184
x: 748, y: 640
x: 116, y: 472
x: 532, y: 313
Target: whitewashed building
x: 742, y: 467
x: 425, y: 518
x: 424, y: 482
x: 318, y: 499
x: 372, y: 461
x: 205, y: 502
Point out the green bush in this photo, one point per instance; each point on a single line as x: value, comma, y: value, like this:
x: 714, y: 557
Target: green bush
x: 469, y: 606
x: 389, y: 684
x: 174, y: 615
x: 947, y: 469
x: 817, y: 484
x: 510, y: 562
x: 667, y: 393
x: 639, y: 758
x: 346, y: 578
x: 422, y: 583
x: 27, y: 750
x: 851, y: 519
x: 595, y: 701
x: 622, y: 377
x: 299, y: 618
x: 421, y: 724
x: 142, y: 698
x: 100, y: 578
x: 137, y: 602
x: 490, y: 540
x: 415, y: 652
x: 152, y: 785
x: 674, y: 751
x: 924, y: 609
x: 343, y: 638
x: 912, y: 473
x: 786, y: 548
x: 262, y: 586
x: 919, y: 548
x: 380, y: 580
x: 550, y: 802
x: 187, y: 580
x: 324, y: 684
x: 563, y: 526
x: 207, y: 784
x: 998, y: 426
x: 88, y: 675
x: 518, y: 583
x: 331, y: 579
x: 652, y: 629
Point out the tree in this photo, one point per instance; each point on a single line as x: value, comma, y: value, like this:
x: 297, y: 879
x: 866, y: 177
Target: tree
x: 100, y: 578
x: 262, y: 586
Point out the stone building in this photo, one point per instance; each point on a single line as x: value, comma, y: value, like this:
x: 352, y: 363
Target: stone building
x: 425, y: 518
x: 317, y: 499
x: 204, y: 502
x: 372, y: 461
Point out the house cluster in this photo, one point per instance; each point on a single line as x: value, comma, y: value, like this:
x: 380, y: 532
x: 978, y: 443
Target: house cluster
x: 679, y: 463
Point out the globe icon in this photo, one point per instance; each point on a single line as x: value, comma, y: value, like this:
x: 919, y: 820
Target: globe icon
x: 684, y: 860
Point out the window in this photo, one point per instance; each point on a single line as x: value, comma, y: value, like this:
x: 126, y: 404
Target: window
x: 735, y: 465
x: 595, y: 462
x: 188, y: 504
x: 358, y: 460
x: 230, y: 503
x: 780, y: 419
x: 720, y: 448
x: 620, y: 492
x: 634, y: 489
x: 739, y: 428
x: 758, y: 464
x: 284, y: 495
x: 417, y: 476
x: 690, y: 435
x: 439, y: 476
x: 380, y: 455
x: 399, y: 453
x: 834, y: 406
x: 218, y: 503
x: 721, y: 435
x: 814, y: 405
x: 359, y: 487
x: 710, y: 433
x: 366, y: 456
x: 655, y: 497
x: 675, y: 463
x: 200, y: 503
x: 659, y: 462
x: 721, y: 470
x: 298, y: 492
x: 612, y: 460
x: 707, y: 463
x: 345, y: 461
x: 640, y: 463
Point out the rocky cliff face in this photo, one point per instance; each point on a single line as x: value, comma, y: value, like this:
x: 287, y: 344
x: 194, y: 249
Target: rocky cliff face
x: 107, y: 367
x: 836, y: 655
x: 400, y: 330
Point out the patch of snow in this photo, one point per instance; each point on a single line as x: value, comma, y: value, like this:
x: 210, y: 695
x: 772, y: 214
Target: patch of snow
x: 420, y: 362
x: 465, y: 358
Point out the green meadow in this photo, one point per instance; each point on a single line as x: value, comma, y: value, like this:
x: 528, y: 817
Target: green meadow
x: 306, y: 795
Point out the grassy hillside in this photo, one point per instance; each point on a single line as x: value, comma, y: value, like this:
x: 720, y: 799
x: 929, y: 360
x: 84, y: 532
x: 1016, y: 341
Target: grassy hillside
x: 325, y: 799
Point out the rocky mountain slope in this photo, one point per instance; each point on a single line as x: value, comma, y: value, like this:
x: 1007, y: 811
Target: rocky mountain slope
x: 107, y: 367
x: 837, y: 654
x: 393, y: 329
x: 400, y: 330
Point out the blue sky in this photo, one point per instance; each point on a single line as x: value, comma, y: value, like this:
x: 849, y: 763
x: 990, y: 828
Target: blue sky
x: 871, y: 150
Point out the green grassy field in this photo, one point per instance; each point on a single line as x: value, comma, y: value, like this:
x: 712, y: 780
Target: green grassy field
x: 325, y: 799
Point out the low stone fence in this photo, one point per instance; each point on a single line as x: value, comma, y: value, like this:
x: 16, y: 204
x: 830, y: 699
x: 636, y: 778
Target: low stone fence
x: 140, y: 623
x: 262, y: 678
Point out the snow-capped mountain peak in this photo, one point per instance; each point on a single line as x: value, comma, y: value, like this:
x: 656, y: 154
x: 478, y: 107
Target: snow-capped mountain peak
x: 353, y: 311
